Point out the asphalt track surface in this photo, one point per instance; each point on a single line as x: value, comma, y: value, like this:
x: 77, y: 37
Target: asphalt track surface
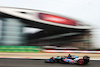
x: 40, y: 63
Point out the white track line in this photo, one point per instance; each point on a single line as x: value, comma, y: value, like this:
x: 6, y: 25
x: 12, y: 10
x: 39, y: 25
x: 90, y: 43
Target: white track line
x: 30, y: 58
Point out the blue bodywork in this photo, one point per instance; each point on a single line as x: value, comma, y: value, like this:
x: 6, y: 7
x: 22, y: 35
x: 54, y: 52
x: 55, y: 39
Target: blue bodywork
x: 58, y: 58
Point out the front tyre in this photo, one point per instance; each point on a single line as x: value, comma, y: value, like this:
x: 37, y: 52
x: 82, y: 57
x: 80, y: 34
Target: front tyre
x: 52, y: 61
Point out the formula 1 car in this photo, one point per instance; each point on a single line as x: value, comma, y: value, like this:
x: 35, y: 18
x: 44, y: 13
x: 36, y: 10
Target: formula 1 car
x: 69, y: 59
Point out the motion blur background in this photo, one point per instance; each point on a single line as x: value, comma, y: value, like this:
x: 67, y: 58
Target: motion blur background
x: 86, y: 11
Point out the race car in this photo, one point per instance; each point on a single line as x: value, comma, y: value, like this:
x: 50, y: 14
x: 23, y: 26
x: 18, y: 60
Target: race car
x: 72, y: 59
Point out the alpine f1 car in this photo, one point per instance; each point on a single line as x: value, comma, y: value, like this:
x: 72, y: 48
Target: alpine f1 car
x: 72, y: 59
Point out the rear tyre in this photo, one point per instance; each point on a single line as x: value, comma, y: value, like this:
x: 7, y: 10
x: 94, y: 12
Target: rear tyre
x: 80, y: 62
x: 86, y: 61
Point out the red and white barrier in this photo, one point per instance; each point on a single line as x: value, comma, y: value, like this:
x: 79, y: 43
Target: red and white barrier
x: 70, y: 51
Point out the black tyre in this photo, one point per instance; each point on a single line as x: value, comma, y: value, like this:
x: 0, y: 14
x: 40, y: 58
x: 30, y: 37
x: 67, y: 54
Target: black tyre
x: 86, y: 61
x: 80, y: 62
x: 51, y: 61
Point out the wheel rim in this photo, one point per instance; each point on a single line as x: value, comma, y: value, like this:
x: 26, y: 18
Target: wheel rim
x: 80, y: 62
x: 52, y: 61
